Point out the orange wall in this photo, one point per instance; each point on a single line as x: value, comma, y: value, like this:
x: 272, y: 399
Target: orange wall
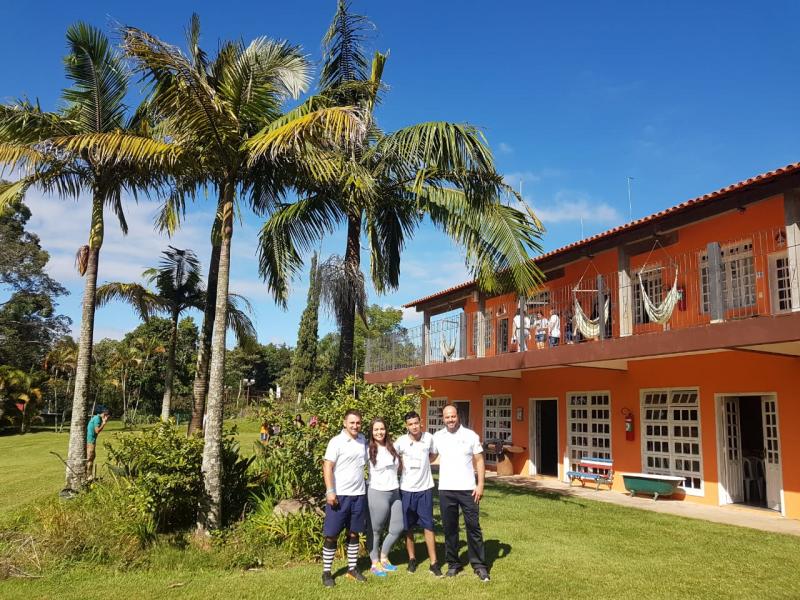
x: 720, y: 373
x: 757, y: 218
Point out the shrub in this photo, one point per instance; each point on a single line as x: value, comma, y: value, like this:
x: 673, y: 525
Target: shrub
x: 291, y: 463
x: 164, y: 466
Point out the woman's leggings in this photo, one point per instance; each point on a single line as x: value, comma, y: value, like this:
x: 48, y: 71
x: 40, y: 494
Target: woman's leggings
x: 383, y: 507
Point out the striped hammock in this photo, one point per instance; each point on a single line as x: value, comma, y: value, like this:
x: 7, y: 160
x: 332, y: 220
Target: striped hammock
x: 588, y: 328
x: 662, y: 313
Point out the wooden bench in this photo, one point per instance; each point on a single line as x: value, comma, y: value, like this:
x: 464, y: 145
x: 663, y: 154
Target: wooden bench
x: 592, y: 468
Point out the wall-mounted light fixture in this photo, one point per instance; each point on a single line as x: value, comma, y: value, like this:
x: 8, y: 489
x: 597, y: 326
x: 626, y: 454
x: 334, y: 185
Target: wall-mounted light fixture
x: 519, y: 413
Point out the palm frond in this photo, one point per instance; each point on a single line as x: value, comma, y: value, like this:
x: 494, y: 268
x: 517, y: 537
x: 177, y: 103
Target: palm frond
x: 331, y: 126
x: 293, y: 229
x: 99, y: 79
x: 239, y: 320
x: 341, y: 289
x: 498, y: 239
x: 342, y: 48
x: 389, y: 222
x: 440, y: 145
x: 119, y: 146
x: 144, y: 301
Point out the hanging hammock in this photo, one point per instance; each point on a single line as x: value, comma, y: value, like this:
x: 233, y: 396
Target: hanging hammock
x: 448, y: 349
x: 662, y: 313
x: 588, y: 328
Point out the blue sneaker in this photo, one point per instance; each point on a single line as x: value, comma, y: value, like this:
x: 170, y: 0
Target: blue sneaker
x: 378, y: 570
x: 387, y: 566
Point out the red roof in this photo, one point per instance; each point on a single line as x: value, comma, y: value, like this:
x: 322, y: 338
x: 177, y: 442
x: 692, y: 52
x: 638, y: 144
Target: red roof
x: 763, y: 178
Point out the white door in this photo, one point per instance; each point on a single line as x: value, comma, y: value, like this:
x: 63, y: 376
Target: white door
x: 532, y: 441
x: 772, y: 454
x: 731, y: 450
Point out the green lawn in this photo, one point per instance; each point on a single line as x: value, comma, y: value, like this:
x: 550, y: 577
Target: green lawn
x: 539, y: 546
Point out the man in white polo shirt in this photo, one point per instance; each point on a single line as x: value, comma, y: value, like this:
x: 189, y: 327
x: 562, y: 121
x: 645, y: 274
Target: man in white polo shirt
x: 416, y: 489
x: 460, y: 457
x: 345, y: 495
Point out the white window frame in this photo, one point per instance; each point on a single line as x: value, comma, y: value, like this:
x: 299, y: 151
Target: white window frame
x: 653, y: 282
x: 672, y: 439
x: 731, y: 255
x: 495, y: 415
x: 433, y: 416
x: 775, y: 283
x: 596, y: 428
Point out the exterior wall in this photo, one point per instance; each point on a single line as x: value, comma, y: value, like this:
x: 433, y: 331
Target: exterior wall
x: 757, y: 218
x: 735, y: 373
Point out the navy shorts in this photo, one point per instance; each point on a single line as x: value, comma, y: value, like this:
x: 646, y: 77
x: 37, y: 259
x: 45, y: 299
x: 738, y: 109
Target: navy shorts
x: 540, y: 337
x: 350, y: 514
x: 417, y: 509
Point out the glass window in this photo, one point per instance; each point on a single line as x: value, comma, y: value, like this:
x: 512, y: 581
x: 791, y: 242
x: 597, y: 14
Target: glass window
x: 589, y: 423
x: 496, y: 422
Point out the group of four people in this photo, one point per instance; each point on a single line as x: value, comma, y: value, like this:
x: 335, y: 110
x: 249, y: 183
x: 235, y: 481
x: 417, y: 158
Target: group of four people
x: 403, y: 504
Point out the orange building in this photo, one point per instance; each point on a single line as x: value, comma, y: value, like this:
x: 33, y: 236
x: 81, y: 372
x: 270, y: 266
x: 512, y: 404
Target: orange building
x: 688, y: 321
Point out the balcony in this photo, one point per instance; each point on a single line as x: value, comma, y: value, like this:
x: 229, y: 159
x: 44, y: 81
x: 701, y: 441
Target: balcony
x: 737, y: 294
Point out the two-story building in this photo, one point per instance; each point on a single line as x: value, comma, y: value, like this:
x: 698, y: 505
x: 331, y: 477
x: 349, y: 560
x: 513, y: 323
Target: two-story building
x: 687, y: 320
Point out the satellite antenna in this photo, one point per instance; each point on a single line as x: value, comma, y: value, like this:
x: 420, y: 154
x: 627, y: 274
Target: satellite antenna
x: 630, y: 205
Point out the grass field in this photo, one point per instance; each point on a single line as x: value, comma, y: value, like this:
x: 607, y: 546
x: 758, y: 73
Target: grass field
x: 538, y: 546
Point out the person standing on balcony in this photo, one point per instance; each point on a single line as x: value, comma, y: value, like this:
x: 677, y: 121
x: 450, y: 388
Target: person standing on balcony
x: 345, y: 495
x: 460, y: 457
x: 540, y: 325
x: 416, y: 489
x: 520, y: 333
x: 554, y: 328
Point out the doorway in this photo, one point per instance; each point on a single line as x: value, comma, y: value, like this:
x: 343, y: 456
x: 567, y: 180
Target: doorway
x: 462, y: 408
x: 749, y: 451
x: 543, y: 435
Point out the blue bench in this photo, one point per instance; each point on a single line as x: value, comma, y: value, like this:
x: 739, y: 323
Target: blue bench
x: 592, y: 468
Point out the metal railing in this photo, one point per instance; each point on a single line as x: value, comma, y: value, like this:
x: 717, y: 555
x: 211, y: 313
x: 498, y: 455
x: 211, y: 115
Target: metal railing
x: 752, y: 276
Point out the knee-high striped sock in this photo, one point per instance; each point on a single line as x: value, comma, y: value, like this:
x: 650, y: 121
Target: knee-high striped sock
x: 328, y: 551
x: 352, y: 554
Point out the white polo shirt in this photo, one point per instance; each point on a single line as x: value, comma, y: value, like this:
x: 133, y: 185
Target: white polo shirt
x: 455, y: 452
x: 383, y: 474
x: 349, y: 457
x: 416, y: 457
x: 554, y: 326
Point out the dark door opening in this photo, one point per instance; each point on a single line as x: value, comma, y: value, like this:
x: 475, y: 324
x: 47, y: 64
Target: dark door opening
x: 751, y: 423
x: 462, y: 408
x: 547, y: 437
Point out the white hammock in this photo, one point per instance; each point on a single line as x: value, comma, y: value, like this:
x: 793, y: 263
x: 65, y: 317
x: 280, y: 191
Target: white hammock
x: 447, y: 349
x: 589, y: 328
x: 662, y: 313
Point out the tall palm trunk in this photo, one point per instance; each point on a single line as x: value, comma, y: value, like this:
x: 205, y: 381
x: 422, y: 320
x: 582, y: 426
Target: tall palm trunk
x: 166, y: 403
x: 210, y: 513
x: 352, y: 264
x: 76, y: 454
x: 200, y: 387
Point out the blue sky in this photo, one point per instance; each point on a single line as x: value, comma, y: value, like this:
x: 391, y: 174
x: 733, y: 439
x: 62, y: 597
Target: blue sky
x: 684, y: 97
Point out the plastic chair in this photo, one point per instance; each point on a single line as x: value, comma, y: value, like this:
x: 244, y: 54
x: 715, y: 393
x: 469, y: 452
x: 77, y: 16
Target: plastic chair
x: 753, y: 470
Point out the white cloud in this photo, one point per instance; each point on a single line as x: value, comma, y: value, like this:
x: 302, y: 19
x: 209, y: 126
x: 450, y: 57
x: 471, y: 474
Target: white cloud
x: 505, y: 148
x: 572, y: 206
x: 411, y: 318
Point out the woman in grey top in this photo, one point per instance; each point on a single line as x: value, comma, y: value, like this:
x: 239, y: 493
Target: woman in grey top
x: 383, y: 496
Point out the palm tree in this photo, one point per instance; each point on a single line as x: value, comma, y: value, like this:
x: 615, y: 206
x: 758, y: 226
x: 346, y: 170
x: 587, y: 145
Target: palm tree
x: 147, y: 347
x: 124, y: 359
x: 214, y: 110
x: 62, y: 359
x: 89, y: 146
x: 388, y: 184
x: 21, y: 389
x: 179, y: 287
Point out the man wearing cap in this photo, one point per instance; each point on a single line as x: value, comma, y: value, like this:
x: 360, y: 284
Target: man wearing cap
x: 345, y: 495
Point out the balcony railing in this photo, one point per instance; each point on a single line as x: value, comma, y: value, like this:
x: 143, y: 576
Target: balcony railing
x: 754, y: 276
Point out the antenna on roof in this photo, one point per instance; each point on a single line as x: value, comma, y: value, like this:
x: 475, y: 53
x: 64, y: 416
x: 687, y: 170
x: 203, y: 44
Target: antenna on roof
x: 630, y: 204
